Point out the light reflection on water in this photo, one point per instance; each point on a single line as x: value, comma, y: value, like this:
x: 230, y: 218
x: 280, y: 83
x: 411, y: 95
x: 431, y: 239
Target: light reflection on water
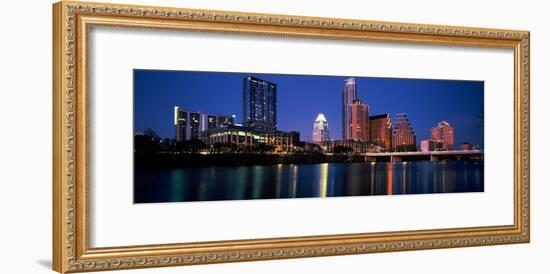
x: 302, y: 181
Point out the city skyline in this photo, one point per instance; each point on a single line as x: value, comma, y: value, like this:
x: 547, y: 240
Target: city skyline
x: 300, y: 98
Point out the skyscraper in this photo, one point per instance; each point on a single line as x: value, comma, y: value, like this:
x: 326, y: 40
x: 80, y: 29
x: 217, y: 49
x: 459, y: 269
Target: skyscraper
x: 180, y: 123
x: 444, y: 136
x: 403, y: 136
x: 349, y: 94
x: 359, y: 121
x: 189, y: 124
x: 320, y: 129
x: 259, y: 104
x: 194, y: 123
x: 380, y: 130
x: 210, y: 121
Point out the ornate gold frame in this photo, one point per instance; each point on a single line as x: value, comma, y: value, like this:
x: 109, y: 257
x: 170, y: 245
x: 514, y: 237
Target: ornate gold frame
x: 71, y: 22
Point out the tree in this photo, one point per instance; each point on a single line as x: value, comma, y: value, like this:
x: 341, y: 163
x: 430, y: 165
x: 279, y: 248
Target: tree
x: 405, y: 148
x: 190, y: 146
x: 145, y: 144
x: 342, y: 149
x: 264, y: 148
x: 194, y: 146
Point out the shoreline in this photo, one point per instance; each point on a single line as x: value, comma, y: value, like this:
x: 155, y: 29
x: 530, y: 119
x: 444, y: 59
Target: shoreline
x: 166, y: 160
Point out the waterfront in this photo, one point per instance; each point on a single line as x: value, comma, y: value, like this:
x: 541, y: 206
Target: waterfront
x: 216, y: 183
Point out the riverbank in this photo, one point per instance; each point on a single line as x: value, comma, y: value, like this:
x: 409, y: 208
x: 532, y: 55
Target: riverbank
x: 167, y: 160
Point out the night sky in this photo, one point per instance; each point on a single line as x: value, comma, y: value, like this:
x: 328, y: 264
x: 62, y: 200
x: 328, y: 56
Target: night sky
x: 301, y: 97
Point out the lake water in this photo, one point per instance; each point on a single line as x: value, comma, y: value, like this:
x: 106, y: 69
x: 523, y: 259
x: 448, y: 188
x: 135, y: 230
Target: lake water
x: 302, y: 181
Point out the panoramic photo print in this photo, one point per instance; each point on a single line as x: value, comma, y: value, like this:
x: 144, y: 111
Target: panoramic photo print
x: 212, y: 136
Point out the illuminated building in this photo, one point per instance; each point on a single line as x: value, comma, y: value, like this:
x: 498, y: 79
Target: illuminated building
x: 427, y: 145
x: 359, y: 121
x: 225, y: 120
x: 194, y: 123
x: 190, y: 124
x: 180, y: 123
x: 320, y: 129
x: 349, y: 94
x: 210, y: 121
x: 380, y: 130
x: 248, y: 136
x: 403, y: 136
x: 444, y: 136
x: 259, y: 104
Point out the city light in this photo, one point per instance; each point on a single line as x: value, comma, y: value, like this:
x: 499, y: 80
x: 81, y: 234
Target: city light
x: 362, y: 132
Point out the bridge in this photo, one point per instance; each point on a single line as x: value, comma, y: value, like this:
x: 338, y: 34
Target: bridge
x: 422, y: 156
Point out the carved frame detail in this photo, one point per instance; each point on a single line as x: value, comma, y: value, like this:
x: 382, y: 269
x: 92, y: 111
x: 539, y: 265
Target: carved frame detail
x: 70, y: 248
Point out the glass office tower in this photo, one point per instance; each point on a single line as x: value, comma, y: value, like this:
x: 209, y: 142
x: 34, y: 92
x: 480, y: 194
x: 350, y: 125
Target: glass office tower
x: 349, y: 94
x: 259, y: 104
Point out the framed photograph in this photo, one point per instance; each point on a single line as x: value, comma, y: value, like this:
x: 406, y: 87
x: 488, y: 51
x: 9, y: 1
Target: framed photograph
x: 187, y: 137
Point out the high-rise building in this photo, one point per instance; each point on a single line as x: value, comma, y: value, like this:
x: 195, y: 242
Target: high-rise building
x: 211, y: 121
x: 444, y: 136
x: 349, y: 94
x: 259, y: 104
x: 180, y: 123
x: 190, y: 124
x: 194, y: 124
x: 403, y: 136
x: 320, y: 129
x: 380, y: 130
x: 359, y: 121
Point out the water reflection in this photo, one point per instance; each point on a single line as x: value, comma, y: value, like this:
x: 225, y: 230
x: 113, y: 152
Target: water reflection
x: 323, y: 180
x: 294, y: 181
x: 301, y: 181
x: 389, y: 171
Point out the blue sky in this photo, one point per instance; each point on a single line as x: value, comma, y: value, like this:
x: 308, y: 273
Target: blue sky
x: 301, y: 97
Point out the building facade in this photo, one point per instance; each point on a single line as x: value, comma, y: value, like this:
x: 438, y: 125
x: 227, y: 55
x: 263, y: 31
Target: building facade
x: 320, y: 129
x: 359, y: 121
x: 259, y: 104
x: 190, y: 124
x: 180, y: 123
x: 211, y: 121
x: 466, y: 146
x: 427, y: 145
x: 295, y: 135
x: 444, y: 136
x: 349, y: 94
x: 248, y: 136
x: 380, y: 130
x: 194, y: 125
x: 403, y: 136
